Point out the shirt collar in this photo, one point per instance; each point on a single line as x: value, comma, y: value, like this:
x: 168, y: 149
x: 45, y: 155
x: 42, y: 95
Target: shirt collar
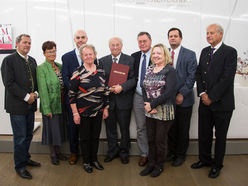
x: 77, y: 51
x: 22, y: 55
x: 177, y: 49
x: 217, y: 46
x: 148, y: 53
x: 118, y: 57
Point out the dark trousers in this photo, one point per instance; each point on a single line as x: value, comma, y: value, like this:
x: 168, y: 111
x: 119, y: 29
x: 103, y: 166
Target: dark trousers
x: 90, y: 129
x: 22, y: 126
x: 178, y: 138
x: 157, y: 132
x: 74, y: 132
x: 207, y: 121
x: 123, y: 118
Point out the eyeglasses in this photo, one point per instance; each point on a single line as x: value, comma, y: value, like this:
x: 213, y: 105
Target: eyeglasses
x: 51, y: 52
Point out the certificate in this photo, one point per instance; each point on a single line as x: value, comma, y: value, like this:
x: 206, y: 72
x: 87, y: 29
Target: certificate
x: 118, y: 74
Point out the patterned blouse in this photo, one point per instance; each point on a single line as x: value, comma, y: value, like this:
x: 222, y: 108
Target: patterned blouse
x: 88, y: 91
x: 159, y: 89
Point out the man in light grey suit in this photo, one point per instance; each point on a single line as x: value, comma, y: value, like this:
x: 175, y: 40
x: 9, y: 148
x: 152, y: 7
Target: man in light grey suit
x: 184, y: 61
x: 120, y: 105
x: 142, y: 61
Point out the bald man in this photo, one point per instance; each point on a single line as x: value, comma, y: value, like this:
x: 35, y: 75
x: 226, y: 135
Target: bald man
x: 71, y: 61
x: 121, y: 101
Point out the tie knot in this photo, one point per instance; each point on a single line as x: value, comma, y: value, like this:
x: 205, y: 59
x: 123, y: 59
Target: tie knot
x: 144, y: 56
x: 212, y: 51
x: 114, y: 60
x: 172, y: 52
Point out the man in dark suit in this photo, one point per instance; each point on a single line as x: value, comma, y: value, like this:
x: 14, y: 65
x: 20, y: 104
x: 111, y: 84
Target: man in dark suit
x: 184, y: 61
x: 19, y: 78
x: 71, y: 61
x: 121, y: 100
x: 215, y: 86
x: 142, y: 61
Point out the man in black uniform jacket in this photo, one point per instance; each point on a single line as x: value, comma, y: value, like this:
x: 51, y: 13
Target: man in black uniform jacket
x: 215, y: 85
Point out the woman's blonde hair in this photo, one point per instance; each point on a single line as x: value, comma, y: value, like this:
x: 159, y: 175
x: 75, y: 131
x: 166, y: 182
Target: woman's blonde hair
x: 166, y: 53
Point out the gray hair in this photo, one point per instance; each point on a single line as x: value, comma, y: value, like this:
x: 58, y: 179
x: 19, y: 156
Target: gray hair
x: 219, y: 28
x: 117, y: 38
x: 19, y: 38
x: 87, y: 46
x: 145, y: 33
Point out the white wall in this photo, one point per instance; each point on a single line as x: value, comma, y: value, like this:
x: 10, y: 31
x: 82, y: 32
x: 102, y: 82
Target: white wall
x: 58, y: 19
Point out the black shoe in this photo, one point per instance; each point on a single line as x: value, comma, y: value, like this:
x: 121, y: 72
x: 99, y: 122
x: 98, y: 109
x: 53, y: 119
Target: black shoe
x: 124, y: 160
x: 54, y: 160
x: 214, y: 172
x: 61, y: 157
x: 33, y: 163
x: 177, y: 162
x: 147, y: 170
x: 199, y: 165
x: 156, y: 172
x: 109, y: 158
x: 97, y: 165
x: 88, y: 168
x: 24, y: 174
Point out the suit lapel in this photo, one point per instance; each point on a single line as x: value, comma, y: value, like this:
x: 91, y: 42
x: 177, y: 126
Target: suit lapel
x: 180, y: 57
x: 121, y: 60
x: 75, y: 58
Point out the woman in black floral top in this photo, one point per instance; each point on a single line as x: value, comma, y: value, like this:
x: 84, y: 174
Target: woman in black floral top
x: 159, y: 92
x: 89, y: 102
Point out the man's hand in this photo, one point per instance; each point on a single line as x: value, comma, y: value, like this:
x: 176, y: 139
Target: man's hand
x: 179, y: 99
x: 116, y: 89
x: 32, y: 98
x: 205, y: 99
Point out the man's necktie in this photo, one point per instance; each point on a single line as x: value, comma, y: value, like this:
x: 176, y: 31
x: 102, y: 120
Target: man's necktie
x: 172, y: 57
x: 143, y: 70
x: 211, y: 53
x: 114, y: 60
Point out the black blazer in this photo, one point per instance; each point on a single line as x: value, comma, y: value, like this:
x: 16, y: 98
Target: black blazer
x: 17, y: 82
x: 137, y: 56
x: 216, y: 77
x: 124, y: 100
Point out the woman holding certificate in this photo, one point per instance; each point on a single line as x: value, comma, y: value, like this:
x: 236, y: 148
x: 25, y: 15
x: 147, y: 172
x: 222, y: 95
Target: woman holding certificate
x: 89, y: 102
x: 159, y: 94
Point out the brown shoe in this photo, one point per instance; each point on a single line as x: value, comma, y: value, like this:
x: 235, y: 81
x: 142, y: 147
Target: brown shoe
x: 143, y: 161
x: 73, y: 159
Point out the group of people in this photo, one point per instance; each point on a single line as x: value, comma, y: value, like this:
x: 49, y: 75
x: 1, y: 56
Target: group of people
x: 159, y: 88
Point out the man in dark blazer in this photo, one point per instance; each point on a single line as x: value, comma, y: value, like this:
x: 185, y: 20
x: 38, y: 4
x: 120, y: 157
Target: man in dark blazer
x: 184, y: 61
x: 140, y: 57
x: 71, y: 61
x: 215, y: 86
x: 121, y: 101
x: 19, y: 78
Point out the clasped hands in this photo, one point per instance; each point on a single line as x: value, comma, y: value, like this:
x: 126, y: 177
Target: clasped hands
x: 32, y: 98
x: 116, y: 89
x: 149, y: 109
x: 205, y: 99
